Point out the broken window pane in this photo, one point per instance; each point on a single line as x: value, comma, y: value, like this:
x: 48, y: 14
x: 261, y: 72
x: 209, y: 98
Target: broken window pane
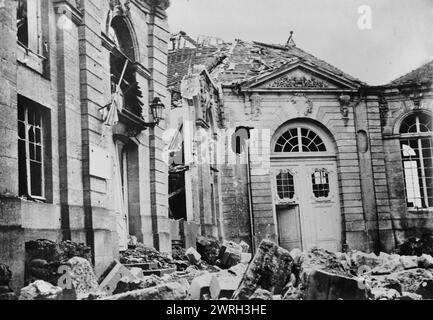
x: 22, y: 23
x: 30, y: 150
x: 320, y: 179
x: 416, y: 150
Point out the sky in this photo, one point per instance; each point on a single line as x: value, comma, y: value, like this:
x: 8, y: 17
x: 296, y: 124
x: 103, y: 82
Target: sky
x: 394, y: 39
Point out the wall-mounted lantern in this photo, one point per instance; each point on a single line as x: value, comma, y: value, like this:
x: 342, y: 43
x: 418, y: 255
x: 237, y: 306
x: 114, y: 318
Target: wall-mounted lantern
x: 157, y: 109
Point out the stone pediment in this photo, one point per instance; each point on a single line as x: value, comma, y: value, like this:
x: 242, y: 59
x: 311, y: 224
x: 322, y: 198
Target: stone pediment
x: 300, y: 77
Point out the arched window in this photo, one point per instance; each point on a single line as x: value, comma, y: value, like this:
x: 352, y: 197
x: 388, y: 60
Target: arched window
x: 300, y: 140
x: 122, y: 67
x: 416, y: 150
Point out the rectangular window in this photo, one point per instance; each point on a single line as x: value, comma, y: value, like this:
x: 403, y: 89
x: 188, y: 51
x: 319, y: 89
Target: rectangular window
x: 30, y: 150
x: 418, y: 171
x: 29, y: 25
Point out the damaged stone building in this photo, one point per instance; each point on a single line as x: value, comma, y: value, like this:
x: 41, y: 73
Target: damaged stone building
x: 311, y: 155
x: 82, y: 96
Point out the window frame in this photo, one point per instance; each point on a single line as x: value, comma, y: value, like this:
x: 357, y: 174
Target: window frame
x: 290, y: 186
x: 299, y: 143
x: 417, y: 136
x: 34, y: 27
x: 26, y: 106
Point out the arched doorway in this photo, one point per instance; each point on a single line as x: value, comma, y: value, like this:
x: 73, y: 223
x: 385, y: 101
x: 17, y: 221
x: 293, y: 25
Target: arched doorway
x: 305, y: 187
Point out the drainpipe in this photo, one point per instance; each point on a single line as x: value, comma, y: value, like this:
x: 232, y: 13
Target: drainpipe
x: 250, y: 201
x: 250, y: 197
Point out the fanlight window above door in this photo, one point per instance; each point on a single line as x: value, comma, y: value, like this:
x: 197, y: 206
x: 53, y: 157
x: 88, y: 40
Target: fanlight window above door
x: 300, y: 140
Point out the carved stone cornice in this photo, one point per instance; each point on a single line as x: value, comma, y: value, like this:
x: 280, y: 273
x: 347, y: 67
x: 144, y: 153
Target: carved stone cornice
x: 72, y: 11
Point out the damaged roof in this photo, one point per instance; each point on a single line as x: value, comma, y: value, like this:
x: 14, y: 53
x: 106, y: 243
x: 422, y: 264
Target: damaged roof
x: 421, y: 75
x: 243, y: 61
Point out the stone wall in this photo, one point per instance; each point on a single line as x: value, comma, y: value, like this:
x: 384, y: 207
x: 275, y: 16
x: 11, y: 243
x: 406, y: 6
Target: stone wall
x: 275, y: 111
x: 397, y: 104
x: 71, y: 83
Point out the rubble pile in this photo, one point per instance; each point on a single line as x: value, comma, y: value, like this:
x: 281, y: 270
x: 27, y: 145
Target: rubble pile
x: 417, y: 246
x: 223, y: 272
x: 142, y: 254
x: 209, y: 249
x: 6, y: 292
x: 44, y: 257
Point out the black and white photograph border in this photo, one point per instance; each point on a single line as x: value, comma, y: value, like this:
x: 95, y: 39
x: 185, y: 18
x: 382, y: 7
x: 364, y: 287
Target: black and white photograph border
x: 214, y: 150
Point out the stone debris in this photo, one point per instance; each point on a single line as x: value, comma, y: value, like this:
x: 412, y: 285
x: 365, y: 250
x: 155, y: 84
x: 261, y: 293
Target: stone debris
x: 6, y: 292
x: 230, y: 254
x: 41, y: 290
x: 270, y: 269
x: 425, y: 261
x: 221, y: 273
x: 44, y: 257
x: 208, y: 248
x: 115, y: 273
x: 141, y: 254
x: 417, y: 246
x: 165, y: 291
x: 223, y: 285
x: 261, y: 294
x: 193, y: 256
x: 200, y: 286
x: 82, y: 276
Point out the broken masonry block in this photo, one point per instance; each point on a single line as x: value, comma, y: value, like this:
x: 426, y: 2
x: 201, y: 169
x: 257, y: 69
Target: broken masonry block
x: 193, y: 256
x: 82, y: 276
x: 245, y: 246
x: 164, y: 291
x: 117, y: 272
x: 239, y: 269
x: 270, y: 269
x: 159, y: 272
x: 322, y: 285
x: 246, y: 258
x: 41, y: 290
x: 223, y: 286
x: 425, y: 261
x: 199, y: 287
x: 261, y: 294
x: 409, y: 262
x: 142, y: 265
x: 137, y: 272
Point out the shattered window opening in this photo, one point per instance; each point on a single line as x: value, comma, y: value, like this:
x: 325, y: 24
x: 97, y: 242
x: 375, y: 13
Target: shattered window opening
x: 22, y: 23
x: 30, y: 151
x: 416, y: 145
x: 123, y: 53
x: 29, y: 25
x: 320, y: 179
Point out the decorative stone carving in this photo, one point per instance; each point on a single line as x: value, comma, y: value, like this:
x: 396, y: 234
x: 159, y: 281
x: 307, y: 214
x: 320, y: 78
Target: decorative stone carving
x: 120, y: 9
x: 383, y: 110
x: 344, y: 105
x: 306, y: 108
x: 289, y: 81
x: 416, y: 98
